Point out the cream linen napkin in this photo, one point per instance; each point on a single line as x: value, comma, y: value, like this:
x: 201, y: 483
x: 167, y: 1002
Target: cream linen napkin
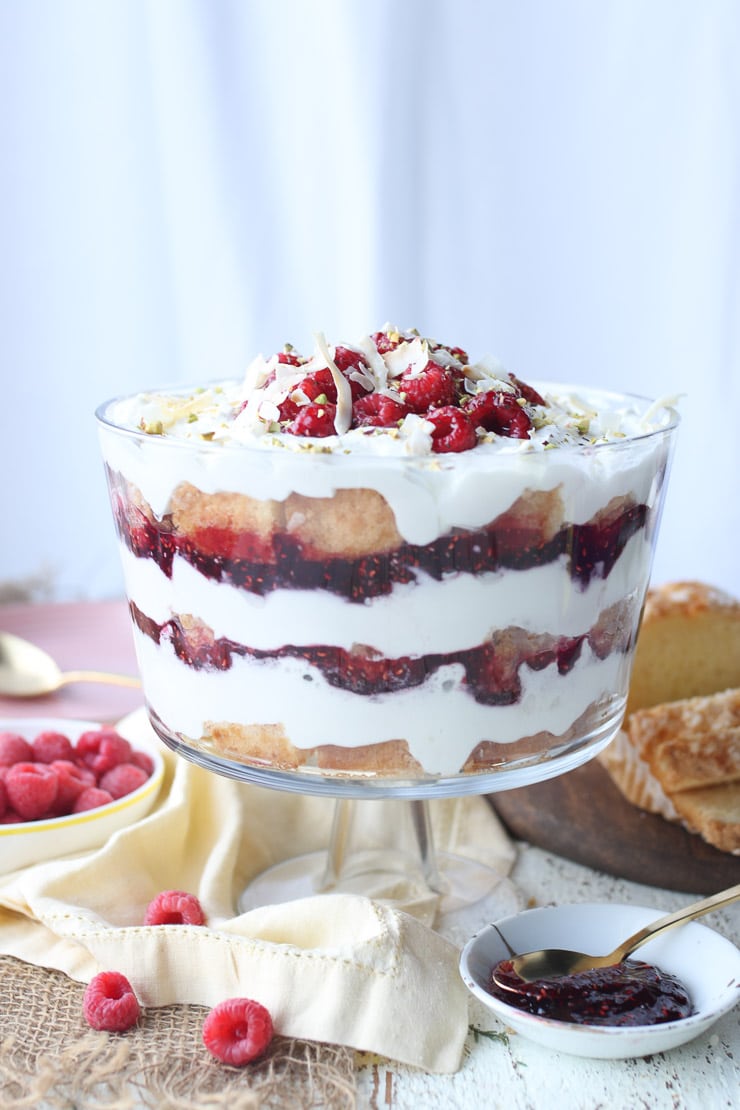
x: 338, y: 968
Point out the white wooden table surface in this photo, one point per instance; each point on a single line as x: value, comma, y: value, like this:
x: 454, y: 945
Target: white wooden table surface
x: 512, y: 1072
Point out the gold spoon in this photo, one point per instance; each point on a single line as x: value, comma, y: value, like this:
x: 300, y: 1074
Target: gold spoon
x: 552, y: 963
x: 28, y: 672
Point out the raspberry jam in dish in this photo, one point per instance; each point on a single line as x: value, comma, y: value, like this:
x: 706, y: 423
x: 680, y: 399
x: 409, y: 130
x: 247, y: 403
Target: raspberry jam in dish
x: 628, y: 994
x: 386, y: 560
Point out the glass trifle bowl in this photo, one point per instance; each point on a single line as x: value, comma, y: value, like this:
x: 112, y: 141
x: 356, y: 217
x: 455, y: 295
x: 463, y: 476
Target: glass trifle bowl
x: 385, y: 571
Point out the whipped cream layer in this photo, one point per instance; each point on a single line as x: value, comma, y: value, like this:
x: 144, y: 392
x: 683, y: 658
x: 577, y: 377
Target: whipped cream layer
x: 429, y: 497
x: 439, y: 721
x: 425, y: 616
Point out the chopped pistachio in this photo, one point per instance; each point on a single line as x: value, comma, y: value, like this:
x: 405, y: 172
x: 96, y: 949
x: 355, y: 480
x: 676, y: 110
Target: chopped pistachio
x: 155, y: 428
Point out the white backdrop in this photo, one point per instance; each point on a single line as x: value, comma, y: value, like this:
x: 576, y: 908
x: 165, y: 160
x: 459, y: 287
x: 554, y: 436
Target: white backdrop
x: 188, y: 182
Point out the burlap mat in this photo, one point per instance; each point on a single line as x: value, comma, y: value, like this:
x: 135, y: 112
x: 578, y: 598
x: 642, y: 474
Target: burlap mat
x: 51, y: 1060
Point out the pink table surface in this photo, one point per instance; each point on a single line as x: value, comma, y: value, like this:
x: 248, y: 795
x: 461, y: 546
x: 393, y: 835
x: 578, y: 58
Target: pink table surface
x: 79, y: 636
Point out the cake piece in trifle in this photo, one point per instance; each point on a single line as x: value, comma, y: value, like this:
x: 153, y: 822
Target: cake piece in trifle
x: 384, y: 559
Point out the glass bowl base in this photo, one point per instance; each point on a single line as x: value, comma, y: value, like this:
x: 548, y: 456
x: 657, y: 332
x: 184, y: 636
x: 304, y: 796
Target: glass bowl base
x: 469, y: 894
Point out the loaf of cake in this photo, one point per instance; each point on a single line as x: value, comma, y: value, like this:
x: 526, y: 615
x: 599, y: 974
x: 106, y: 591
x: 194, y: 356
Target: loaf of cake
x: 679, y: 751
x: 689, y: 645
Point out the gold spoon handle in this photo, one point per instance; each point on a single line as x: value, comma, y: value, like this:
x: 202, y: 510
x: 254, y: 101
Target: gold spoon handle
x: 98, y: 676
x: 688, y: 913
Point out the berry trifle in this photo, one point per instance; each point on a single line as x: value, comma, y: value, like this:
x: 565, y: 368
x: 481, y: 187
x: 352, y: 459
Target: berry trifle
x: 386, y: 563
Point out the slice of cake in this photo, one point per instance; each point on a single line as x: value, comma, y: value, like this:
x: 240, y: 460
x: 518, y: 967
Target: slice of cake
x: 714, y: 812
x: 679, y: 751
x: 692, y: 742
x: 689, y: 645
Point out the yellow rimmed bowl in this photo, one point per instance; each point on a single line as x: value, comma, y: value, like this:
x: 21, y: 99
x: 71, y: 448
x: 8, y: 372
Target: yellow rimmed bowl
x: 30, y: 842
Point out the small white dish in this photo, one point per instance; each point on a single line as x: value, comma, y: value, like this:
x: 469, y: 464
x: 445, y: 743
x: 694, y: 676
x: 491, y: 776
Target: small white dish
x: 32, y: 842
x: 706, y: 963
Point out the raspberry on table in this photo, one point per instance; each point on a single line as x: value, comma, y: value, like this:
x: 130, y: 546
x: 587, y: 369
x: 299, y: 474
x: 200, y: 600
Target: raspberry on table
x: 109, y: 1003
x: 32, y: 789
x: 49, y: 746
x: 453, y: 431
x: 237, y: 1031
x: 14, y: 749
x: 174, y: 907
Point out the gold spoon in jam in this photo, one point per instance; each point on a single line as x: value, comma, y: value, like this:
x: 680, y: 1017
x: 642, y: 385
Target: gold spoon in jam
x: 553, y: 963
x: 28, y: 672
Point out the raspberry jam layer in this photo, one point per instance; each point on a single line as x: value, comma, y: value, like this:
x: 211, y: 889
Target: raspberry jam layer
x: 246, y: 561
x: 491, y: 670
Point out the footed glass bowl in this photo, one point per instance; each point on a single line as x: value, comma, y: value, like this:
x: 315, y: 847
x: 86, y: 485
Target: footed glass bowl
x: 359, y: 620
x: 367, y: 624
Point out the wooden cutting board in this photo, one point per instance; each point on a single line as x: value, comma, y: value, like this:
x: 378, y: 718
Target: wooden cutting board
x: 583, y: 817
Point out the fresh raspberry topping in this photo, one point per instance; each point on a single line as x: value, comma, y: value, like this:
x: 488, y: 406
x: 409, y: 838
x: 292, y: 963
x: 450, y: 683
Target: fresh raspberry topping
x: 3, y: 799
x: 384, y: 343
x: 289, y: 358
x: 14, y: 749
x: 499, y: 412
x: 314, y: 420
x: 92, y: 797
x: 237, y: 1031
x: 453, y: 430
x: 319, y: 384
x: 288, y: 409
x: 109, y: 1003
x: 432, y: 387
x: 48, y: 746
x: 347, y: 360
x: 123, y: 779
x: 174, y: 907
x: 102, y: 749
x: 32, y: 789
x: 350, y: 362
x: 528, y: 392
x: 378, y: 410
x: 459, y: 354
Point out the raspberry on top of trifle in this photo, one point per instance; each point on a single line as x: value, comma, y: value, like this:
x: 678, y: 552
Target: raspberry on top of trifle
x: 384, y: 558
x: 391, y: 389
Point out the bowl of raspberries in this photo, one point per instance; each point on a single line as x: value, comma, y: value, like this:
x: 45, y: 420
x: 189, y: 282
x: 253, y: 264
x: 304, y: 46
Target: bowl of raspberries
x: 66, y: 786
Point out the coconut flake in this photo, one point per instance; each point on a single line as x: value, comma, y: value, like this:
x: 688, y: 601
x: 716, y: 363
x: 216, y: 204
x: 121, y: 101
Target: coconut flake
x: 343, y: 418
x: 375, y: 361
x: 412, y: 356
